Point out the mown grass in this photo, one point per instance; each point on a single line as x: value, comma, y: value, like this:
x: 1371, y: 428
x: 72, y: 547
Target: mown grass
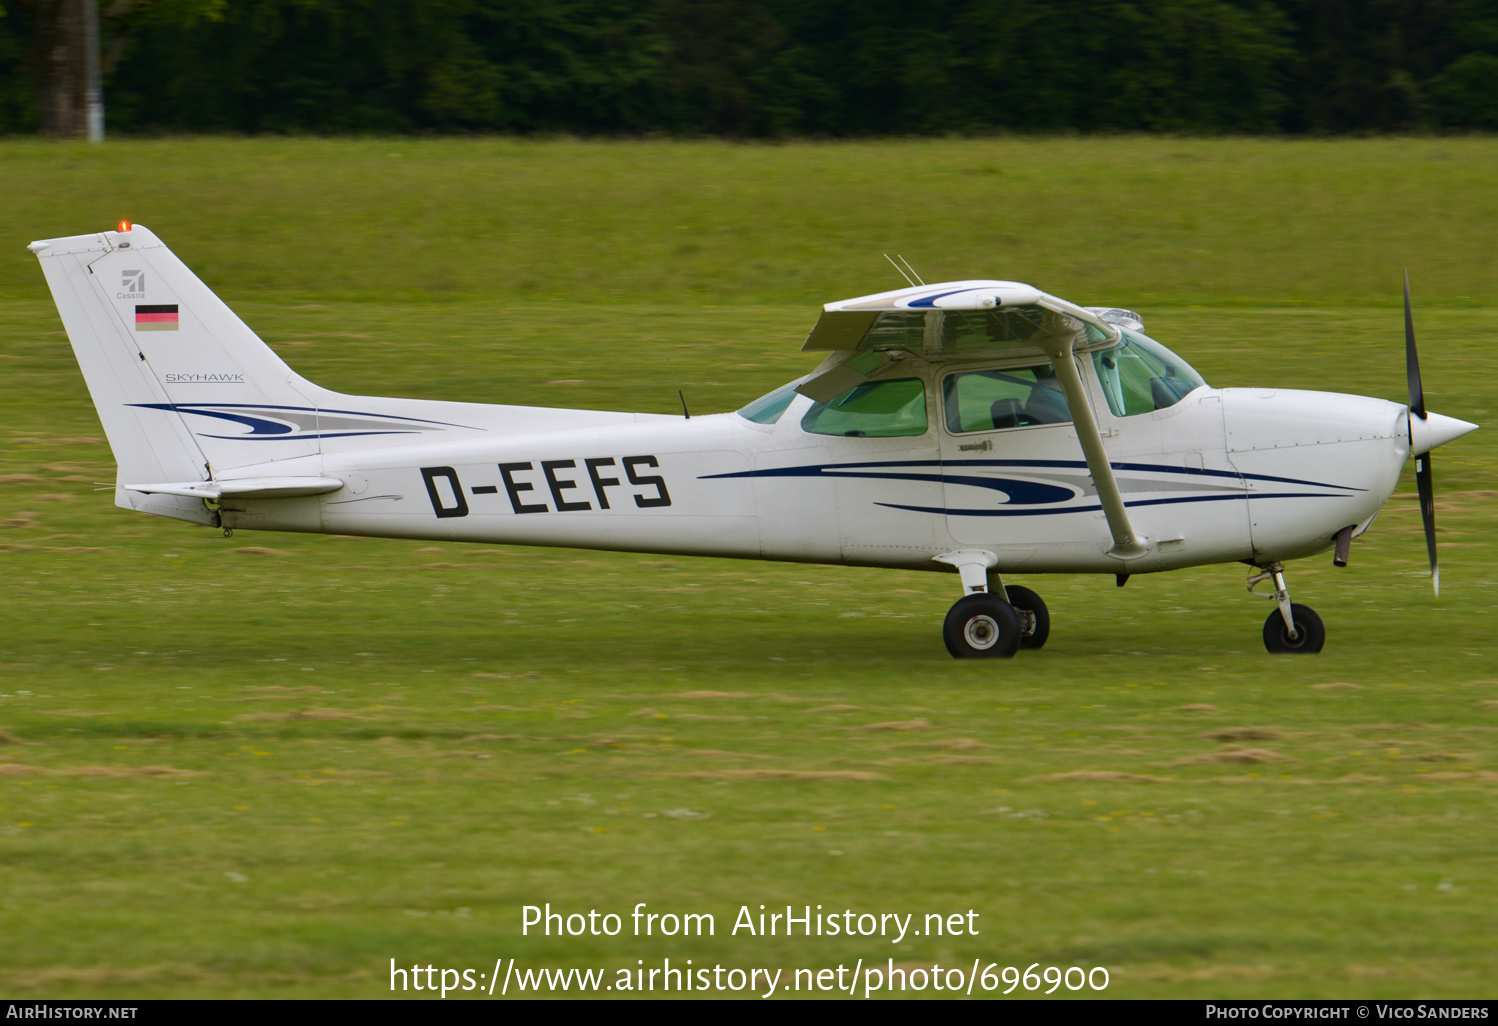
x: 266, y: 765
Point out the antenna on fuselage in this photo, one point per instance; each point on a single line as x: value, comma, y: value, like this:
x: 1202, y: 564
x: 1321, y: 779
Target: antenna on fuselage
x: 918, y: 278
x: 679, y: 393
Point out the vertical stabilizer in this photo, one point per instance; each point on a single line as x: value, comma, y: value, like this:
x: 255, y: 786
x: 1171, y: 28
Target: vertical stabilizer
x: 181, y: 384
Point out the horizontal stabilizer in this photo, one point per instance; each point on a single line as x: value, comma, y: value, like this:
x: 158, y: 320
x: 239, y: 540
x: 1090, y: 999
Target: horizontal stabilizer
x: 248, y: 488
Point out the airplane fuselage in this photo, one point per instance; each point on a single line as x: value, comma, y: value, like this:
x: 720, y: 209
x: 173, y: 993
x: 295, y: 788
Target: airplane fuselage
x: 1259, y: 475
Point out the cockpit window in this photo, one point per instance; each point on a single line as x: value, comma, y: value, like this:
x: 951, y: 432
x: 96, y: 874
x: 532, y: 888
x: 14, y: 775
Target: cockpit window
x: 1140, y: 375
x: 768, y: 408
x: 991, y: 400
x: 877, y: 409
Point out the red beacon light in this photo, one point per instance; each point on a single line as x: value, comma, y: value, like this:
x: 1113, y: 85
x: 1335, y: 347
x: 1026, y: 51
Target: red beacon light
x: 124, y: 226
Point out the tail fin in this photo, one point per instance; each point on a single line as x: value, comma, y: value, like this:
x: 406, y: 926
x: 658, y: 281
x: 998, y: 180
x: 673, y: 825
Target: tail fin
x: 158, y: 348
x: 186, y: 391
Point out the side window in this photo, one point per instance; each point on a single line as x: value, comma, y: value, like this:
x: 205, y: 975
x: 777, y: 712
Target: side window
x: 992, y: 400
x: 878, y: 409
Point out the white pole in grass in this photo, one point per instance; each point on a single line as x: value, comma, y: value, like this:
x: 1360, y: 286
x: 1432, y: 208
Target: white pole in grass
x: 95, y: 97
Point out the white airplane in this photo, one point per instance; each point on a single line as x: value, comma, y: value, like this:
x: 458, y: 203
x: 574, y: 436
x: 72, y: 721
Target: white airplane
x: 975, y: 427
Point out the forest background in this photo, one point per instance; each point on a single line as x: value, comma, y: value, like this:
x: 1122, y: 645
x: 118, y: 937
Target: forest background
x: 768, y: 68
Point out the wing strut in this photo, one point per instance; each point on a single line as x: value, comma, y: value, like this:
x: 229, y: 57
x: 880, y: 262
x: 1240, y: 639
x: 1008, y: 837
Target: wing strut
x: 1127, y: 543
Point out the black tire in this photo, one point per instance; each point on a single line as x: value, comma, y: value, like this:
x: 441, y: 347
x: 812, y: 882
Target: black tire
x: 1310, y: 632
x: 1026, y: 601
x: 981, y: 626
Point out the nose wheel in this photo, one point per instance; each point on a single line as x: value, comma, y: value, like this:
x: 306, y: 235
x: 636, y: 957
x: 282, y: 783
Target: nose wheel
x: 1291, y: 628
x: 1310, y: 633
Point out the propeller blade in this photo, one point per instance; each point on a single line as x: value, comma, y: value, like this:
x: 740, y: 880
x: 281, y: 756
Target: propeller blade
x: 1411, y: 359
x: 1424, y: 482
x: 1426, y: 487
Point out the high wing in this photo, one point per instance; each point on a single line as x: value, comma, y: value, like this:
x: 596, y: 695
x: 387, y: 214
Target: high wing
x: 960, y: 320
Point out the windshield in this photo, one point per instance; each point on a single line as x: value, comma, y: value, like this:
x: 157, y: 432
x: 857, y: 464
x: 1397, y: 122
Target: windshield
x: 1139, y: 375
x: 768, y: 408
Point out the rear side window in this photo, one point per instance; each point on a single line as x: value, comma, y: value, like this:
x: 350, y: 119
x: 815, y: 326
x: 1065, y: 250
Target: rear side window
x: 878, y: 409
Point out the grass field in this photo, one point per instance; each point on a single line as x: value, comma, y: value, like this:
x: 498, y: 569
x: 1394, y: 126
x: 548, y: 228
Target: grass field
x: 266, y: 765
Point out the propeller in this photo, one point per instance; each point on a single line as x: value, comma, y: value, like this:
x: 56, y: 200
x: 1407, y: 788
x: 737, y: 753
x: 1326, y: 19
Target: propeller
x: 1424, y: 483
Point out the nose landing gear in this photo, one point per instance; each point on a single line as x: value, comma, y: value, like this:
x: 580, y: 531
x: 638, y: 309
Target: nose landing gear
x: 1291, y: 627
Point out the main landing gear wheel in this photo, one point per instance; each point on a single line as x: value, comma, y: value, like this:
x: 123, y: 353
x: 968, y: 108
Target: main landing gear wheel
x: 1310, y: 632
x: 982, y: 626
x: 1035, y: 627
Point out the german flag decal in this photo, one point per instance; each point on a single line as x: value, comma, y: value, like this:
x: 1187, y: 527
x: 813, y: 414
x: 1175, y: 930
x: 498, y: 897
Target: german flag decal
x: 161, y: 317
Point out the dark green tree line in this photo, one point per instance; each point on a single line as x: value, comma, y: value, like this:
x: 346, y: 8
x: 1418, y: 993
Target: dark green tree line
x: 765, y: 68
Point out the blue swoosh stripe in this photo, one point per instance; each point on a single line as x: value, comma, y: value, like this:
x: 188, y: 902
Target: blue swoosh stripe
x: 1097, y: 507
x: 817, y: 470
x: 1021, y: 493
x: 926, y: 302
x: 257, y: 425
x: 206, y: 408
x: 287, y: 438
x: 1028, y: 493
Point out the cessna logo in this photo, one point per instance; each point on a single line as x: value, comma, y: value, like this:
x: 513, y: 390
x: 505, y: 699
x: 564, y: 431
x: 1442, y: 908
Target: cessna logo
x: 133, y: 284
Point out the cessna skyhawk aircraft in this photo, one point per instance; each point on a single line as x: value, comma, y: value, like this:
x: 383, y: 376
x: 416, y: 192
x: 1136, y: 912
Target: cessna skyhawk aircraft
x: 981, y: 427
